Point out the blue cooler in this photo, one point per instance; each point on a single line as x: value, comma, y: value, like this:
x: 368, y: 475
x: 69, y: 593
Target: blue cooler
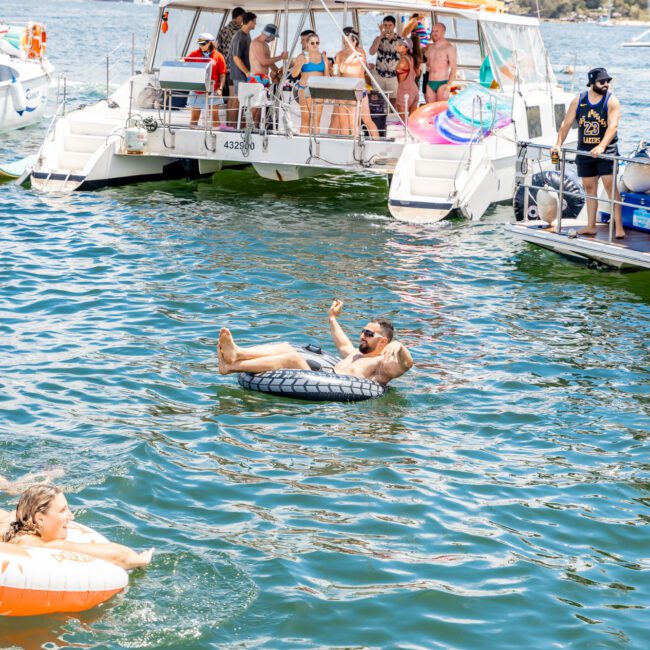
x: 636, y: 215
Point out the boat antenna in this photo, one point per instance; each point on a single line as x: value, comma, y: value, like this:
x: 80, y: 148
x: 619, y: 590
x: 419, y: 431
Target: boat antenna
x: 539, y: 16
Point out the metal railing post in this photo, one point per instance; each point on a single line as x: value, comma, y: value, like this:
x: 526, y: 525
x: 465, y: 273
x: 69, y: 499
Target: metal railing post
x: 560, y: 197
x: 612, y: 201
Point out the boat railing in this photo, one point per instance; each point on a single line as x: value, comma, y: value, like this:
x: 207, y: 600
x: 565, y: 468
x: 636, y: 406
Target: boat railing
x: 567, y: 156
x: 275, y: 117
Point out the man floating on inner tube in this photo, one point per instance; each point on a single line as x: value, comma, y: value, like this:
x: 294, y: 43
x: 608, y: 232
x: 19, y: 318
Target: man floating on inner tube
x: 377, y: 357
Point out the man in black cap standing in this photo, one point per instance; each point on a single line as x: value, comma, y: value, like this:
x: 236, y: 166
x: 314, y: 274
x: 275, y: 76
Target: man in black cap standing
x: 597, y: 112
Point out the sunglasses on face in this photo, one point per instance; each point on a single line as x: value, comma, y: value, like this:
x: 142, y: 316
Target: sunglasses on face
x: 202, y: 43
x: 369, y: 333
x: 603, y: 83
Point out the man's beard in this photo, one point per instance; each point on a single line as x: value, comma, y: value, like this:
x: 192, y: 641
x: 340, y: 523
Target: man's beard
x: 599, y: 90
x: 364, y: 348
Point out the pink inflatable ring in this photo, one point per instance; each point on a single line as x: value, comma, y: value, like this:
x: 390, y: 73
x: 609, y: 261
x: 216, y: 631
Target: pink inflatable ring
x: 422, y: 123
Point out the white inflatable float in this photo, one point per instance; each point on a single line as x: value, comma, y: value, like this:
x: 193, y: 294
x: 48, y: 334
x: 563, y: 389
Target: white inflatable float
x: 46, y: 581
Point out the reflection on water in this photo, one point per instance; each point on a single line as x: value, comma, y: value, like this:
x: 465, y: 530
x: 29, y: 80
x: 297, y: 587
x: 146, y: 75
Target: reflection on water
x: 496, y: 496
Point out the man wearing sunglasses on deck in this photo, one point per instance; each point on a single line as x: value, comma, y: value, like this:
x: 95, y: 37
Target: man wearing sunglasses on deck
x: 377, y: 357
x: 597, y: 113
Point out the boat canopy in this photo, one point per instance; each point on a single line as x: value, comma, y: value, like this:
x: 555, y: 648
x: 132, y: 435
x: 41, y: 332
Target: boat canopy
x: 499, y: 47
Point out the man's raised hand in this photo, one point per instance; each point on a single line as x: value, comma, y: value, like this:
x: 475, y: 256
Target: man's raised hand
x: 336, y: 308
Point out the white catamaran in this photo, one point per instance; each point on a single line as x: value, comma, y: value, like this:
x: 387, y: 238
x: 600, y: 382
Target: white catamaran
x: 462, y: 158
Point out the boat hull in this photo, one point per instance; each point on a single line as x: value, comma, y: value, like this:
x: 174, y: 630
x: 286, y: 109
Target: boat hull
x: 23, y: 96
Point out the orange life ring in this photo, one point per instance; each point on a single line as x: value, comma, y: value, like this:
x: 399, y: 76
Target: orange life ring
x: 34, y: 41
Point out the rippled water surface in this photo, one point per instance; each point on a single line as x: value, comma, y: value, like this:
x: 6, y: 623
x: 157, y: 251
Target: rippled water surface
x: 497, y: 497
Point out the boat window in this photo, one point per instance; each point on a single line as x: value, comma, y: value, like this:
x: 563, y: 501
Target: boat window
x: 517, y: 50
x: 208, y: 21
x: 293, y: 33
x: 173, y: 35
x: 468, y: 57
x: 369, y: 22
x: 459, y: 28
x: 560, y: 113
x: 330, y: 37
x: 534, y: 118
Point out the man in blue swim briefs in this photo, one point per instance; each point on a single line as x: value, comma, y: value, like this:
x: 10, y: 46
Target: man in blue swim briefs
x: 440, y: 56
x: 377, y: 357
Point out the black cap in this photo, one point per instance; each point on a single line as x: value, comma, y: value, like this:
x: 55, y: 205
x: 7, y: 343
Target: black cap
x: 597, y: 74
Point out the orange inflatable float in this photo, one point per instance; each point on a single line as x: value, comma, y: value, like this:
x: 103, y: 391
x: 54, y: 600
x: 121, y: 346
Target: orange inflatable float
x: 46, y: 581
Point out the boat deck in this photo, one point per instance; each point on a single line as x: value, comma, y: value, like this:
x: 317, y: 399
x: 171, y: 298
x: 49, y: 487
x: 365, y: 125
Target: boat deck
x: 635, y: 240
x: 630, y: 253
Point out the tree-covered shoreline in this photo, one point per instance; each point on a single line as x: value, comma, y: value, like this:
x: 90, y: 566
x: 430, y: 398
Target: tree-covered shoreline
x: 583, y: 10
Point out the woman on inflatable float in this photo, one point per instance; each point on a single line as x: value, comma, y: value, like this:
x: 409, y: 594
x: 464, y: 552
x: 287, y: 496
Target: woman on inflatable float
x: 49, y: 564
x: 41, y: 520
x: 377, y: 360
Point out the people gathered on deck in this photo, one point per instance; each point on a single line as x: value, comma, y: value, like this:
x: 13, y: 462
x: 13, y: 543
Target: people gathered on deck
x: 238, y: 58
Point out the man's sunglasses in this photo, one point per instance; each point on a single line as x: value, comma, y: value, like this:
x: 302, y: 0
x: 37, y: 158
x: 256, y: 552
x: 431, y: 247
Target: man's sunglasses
x: 204, y: 42
x: 369, y: 333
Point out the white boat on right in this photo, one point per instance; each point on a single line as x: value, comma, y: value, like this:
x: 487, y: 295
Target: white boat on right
x: 642, y: 40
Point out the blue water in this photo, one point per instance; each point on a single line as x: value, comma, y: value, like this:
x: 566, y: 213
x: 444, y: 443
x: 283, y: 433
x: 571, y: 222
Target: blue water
x: 497, y: 497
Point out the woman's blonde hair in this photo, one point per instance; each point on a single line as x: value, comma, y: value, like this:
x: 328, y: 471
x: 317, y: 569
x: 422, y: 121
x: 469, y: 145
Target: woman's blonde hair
x: 36, y: 498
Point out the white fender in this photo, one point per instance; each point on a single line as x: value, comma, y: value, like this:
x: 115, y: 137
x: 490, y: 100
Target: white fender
x: 18, y: 96
x: 548, y: 204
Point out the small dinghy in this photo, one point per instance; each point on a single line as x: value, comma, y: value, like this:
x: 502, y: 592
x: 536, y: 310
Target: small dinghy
x: 15, y: 169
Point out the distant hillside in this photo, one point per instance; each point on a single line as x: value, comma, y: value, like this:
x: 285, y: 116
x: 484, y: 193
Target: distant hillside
x: 583, y: 9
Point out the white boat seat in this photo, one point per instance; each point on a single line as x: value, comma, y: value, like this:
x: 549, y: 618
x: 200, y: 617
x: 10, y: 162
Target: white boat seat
x: 253, y: 94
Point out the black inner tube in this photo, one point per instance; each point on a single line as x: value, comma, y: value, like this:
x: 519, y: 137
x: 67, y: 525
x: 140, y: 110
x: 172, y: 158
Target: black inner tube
x: 320, y: 384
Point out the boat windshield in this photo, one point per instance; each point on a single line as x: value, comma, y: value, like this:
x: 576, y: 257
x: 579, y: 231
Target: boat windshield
x: 178, y: 29
x: 517, y: 50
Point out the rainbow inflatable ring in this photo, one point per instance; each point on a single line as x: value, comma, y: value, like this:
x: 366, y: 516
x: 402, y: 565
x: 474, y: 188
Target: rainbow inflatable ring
x: 46, y: 581
x: 452, y: 122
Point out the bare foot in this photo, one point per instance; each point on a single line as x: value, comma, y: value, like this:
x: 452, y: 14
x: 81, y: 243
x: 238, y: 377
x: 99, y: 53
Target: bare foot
x: 223, y: 366
x: 227, y: 347
x: 620, y: 235
x: 587, y: 231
